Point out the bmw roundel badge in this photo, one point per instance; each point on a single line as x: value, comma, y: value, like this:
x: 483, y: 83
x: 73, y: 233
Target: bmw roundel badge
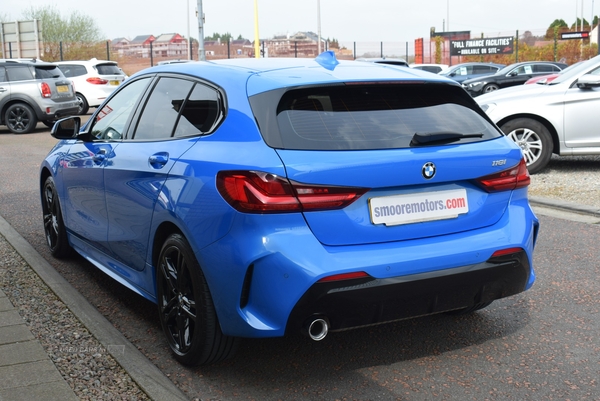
x: 428, y: 170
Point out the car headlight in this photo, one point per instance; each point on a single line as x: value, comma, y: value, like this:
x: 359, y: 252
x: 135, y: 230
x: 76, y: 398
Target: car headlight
x: 475, y: 84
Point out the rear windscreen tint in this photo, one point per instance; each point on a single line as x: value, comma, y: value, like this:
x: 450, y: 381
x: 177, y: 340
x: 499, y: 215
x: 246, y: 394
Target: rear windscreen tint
x: 45, y: 72
x: 108, y: 69
x: 383, y: 116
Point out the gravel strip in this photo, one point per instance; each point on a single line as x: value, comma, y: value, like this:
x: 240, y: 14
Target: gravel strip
x: 84, y: 363
x: 572, y: 179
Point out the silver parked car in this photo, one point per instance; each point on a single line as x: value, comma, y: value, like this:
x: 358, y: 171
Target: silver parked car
x: 32, y: 91
x: 561, y: 117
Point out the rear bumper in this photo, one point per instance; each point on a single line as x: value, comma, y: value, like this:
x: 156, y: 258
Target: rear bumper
x: 52, y: 110
x: 368, y: 301
x: 267, y: 284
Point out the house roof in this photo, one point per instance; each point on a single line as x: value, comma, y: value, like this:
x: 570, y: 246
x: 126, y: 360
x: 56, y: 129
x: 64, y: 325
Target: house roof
x: 142, y: 38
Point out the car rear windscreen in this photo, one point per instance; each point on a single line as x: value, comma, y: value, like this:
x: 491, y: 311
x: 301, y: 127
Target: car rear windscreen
x: 108, y: 69
x: 367, y: 116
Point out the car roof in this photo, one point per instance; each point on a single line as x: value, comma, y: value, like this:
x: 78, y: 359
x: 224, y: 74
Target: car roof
x: 264, y: 74
x: 93, y: 61
x: 34, y: 62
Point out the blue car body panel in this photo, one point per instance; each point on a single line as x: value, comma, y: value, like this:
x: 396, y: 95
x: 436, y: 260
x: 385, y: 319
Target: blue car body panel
x: 119, y: 197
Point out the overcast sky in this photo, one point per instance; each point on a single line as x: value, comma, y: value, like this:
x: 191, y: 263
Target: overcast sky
x: 344, y: 20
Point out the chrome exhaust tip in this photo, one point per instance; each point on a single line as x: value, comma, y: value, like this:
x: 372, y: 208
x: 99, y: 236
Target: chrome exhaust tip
x: 317, y: 328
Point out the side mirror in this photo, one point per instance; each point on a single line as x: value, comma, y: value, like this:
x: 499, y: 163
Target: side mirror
x: 66, y: 128
x: 588, y: 81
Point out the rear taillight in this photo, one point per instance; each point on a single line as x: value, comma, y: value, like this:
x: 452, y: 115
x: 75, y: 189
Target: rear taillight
x: 260, y: 192
x: 97, y: 81
x: 45, y: 89
x: 506, y: 180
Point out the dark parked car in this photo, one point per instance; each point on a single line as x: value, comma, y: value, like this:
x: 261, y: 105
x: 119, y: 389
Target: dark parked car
x: 263, y: 197
x: 464, y: 71
x: 512, y: 75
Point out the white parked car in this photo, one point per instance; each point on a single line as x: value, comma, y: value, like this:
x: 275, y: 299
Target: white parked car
x: 560, y: 117
x: 94, y: 80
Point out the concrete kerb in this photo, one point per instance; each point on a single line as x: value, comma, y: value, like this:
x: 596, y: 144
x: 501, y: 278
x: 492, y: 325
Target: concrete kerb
x: 564, y: 205
x: 150, y: 379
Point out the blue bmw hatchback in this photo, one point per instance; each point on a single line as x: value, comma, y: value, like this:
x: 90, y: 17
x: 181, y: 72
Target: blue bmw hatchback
x: 255, y: 198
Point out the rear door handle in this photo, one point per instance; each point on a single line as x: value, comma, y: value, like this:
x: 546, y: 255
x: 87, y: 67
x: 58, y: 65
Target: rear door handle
x: 158, y: 160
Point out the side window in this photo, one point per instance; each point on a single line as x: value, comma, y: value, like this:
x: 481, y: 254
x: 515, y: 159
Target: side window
x: 162, y: 109
x: 18, y: 73
x: 483, y: 69
x: 3, y: 74
x: 110, y: 121
x: 544, y: 68
x: 200, y: 113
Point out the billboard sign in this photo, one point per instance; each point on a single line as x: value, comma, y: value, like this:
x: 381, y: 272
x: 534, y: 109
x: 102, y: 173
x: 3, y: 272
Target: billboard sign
x: 482, y: 47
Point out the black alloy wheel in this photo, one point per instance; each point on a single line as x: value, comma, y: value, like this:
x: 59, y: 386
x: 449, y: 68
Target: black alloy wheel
x: 186, y: 311
x: 20, y: 118
x: 54, y: 226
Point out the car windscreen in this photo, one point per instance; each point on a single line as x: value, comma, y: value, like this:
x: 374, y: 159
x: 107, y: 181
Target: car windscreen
x: 572, y: 72
x: 367, y: 116
x: 108, y: 69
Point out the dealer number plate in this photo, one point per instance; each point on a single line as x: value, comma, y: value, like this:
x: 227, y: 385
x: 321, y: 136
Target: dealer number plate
x: 420, y: 207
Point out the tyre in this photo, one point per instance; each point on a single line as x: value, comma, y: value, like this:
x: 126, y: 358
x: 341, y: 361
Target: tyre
x: 54, y: 226
x: 20, y: 118
x: 470, y: 309
x: 83, y: 104
x: 490, y: 88
x: 533, y: 138
x: 186, y: 311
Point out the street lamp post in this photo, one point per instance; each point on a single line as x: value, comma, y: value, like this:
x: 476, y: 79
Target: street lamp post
x: 319, y: 25
x: 256, y: 37
x: 201, y: 52
x: 189, y: 42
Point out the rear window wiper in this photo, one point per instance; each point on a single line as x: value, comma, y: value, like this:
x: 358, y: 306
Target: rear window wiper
x: 436, y: 138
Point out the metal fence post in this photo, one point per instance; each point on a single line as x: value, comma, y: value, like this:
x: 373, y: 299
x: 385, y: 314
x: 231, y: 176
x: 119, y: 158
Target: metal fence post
x: 517, y: 46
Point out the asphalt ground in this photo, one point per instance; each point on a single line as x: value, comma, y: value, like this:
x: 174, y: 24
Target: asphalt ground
x: 540, y: 345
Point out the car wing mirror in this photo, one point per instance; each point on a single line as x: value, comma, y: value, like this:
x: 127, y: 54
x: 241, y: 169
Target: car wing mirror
x: 66, y: 128
x: 588, y: 81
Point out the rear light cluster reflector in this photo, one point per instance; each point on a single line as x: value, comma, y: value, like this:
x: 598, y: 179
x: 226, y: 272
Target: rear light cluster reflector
x: 344, y: 276
x: 260, y: 192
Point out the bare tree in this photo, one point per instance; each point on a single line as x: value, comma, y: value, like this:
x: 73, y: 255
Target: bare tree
x: 77, y: 34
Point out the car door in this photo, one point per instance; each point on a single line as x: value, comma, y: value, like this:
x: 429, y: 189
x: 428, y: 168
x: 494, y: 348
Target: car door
x: 135, y: 175
x: 517, y: 76
x: 581, y: 117
x: 83, y: 168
